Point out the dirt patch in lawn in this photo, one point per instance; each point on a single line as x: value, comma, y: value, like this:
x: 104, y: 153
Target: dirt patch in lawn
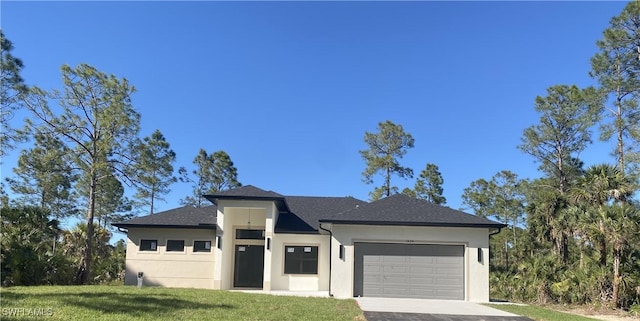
x: 601, y: 314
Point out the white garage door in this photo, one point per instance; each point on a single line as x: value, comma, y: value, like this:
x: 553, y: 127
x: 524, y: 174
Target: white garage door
x: 409, y: 271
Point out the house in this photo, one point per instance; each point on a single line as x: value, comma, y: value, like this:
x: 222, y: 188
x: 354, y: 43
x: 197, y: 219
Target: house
x: 255, y: 239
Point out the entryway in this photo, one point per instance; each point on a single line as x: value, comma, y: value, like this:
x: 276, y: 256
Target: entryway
x: 249, y: 266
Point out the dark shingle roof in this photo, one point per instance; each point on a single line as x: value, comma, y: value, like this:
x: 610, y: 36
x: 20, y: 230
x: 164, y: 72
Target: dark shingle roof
x: 244, y: 192
x: 302, y: 214
x: 305, y: 212
x: 400, y: 209
x: 183, y: 217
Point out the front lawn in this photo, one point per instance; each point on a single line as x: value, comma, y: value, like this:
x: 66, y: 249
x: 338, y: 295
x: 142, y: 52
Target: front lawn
x: 539, y: 313
x: 157, y: 304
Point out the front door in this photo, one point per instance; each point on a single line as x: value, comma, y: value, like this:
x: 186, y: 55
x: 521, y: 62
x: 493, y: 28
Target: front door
x: 249, y: 266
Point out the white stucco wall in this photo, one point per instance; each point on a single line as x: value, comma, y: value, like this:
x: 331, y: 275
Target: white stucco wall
x: 476, y: 273
x: 300, y: 282
x: 170, y: 269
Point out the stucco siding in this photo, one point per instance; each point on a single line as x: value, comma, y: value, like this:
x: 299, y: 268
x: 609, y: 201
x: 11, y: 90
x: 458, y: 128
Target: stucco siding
x: 171, y: 269
x: 476, y: 274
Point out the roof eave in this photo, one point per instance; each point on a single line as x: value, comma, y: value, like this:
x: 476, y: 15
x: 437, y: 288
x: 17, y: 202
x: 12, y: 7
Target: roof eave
x: 280, y: 201
x: 400, y: 223
x: 295, y: 232
x: 200, y: 226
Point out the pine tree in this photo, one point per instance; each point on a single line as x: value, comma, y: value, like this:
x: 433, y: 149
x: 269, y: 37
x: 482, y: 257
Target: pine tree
x: 154, y: 169
x: 617, y: 69
x: 13, y: 88
x: 429, y: 185
x: 213, y: 173
x: 384, y: 151
x: 95, y: 119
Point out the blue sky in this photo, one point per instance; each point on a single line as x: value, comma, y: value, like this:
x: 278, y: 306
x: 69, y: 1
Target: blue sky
x: 288, y: 89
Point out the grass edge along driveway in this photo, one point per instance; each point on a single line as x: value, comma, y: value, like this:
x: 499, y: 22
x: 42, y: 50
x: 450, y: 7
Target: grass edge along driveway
x: 539, y: 313
x: 99, y: 302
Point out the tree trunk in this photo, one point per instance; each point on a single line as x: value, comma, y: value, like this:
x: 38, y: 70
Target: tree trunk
x: 153, y: 190
x: 603, y: 245
x: 515, y: 239
x: 506, y: 254
x: 619, y: 128
x: 86, y: 262
x: 387, y: 182
x: 617, y: 253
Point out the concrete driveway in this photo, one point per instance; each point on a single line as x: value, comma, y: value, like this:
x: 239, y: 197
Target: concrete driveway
x: 392, y: 309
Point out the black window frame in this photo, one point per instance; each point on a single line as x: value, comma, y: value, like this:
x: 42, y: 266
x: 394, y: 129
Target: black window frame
x: 202, y: 249
x: 302, y: 260
x: 249, y: 234
x: 147, y: 245
x: 173, y: 247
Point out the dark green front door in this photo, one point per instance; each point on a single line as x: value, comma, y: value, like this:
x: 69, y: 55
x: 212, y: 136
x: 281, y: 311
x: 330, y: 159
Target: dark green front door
x: 249, y: 266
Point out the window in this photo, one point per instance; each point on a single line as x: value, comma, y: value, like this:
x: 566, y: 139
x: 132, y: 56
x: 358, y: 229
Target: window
x: 202, y: 246
x: 301, y: 260
x: 250, y: 234
x: 148, y: 245
x: 175, y: 245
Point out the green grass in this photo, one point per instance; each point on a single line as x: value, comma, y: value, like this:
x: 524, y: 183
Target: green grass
x: 539, y: 313
x: 157, y: 304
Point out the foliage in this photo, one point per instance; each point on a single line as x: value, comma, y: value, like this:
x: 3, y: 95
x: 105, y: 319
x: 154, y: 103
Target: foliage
x: 126, y: 303
x: 96, y: 120
x: 110, y: 203
x: 616, y: 67
x: 26, y: 248
x: 12, y: 88
x: 154, y: 169
x: 44, y: 177
x: 502, y: 198
x: 429, y: 185
x: 384, y: 150
x: 213, y: 173
x: 111, y: 265
x: 567, y: 114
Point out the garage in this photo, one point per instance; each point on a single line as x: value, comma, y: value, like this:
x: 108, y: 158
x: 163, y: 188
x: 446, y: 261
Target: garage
x: 427, y: 271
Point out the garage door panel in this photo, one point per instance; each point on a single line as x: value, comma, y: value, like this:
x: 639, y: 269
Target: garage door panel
x: 409, y: 270
x: 418, y: 281
x: 451, y: 281
x: 423, y: 270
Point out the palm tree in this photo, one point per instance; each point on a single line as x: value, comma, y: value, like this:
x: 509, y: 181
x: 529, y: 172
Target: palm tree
x: 603, y: 193
x: 621, y: 224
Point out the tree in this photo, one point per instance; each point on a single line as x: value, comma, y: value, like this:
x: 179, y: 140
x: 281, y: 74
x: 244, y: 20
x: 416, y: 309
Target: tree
x: 622, y: 230
x: 608, y: 215
x: 502, y: 198
x: 617, y: 69
x: 45, y: 178
x: 12, y: 88
x: 100, y: 247
x: 25, y: 250
x: 111, y: 205
x: 429, y: 185
x: 98, y: 123
x: 154, y: 169
x: 384, y: 150
x: 568, y: 113
x: 214, y: 173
